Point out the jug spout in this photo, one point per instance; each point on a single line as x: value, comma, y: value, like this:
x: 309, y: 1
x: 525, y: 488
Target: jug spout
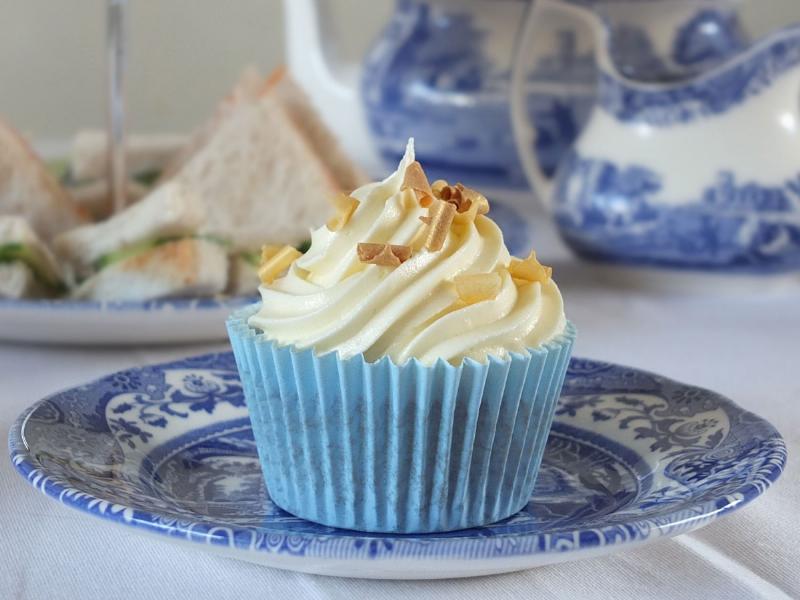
x: 699, y: 174
x: 642, y: 45
x: 331, y: 83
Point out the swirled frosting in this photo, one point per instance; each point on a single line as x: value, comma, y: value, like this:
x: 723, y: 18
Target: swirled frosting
x: 331, y: 301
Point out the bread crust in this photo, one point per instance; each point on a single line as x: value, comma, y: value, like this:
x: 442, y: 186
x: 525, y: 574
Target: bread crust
x: 28, y: 189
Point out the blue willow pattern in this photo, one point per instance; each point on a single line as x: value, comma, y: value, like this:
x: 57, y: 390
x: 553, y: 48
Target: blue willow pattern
x: 187, y: 439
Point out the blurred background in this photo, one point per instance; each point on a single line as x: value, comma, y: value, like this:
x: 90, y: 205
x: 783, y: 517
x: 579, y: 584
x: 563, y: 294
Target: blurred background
x: 184, y: 55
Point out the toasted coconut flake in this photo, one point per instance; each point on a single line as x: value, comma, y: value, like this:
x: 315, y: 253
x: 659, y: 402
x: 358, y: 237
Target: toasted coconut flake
x: 529, y: 270
x: 276, y: 264
x: 441, y: 218
x: 385, y: 255
x: 478, y: 287
x: 417, y: 241
x: 268, y: 251
x: 415, y: 179
x: 475, y: 198
x: 438, y: 186
x: 478, y: 206
x: 463, y: 198
x: 345, y: 207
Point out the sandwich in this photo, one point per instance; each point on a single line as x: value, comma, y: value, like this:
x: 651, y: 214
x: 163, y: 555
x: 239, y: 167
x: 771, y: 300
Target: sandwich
x: 86, y: 174
x: 153, y: 249
x: 260, y: 170
x: 28, y: 189
x: 27, y: 267
x: 95, y: 196
x: 146, y: 155
x: 263, y: 169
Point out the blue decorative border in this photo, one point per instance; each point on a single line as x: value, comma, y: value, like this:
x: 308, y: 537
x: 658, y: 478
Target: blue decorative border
x: 130, y: 305
x: 465, y: 545
x: 664, y: 105
x: 617, y: 212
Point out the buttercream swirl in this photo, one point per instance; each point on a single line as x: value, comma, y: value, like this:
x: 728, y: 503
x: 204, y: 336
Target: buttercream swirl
x: 331, y: 301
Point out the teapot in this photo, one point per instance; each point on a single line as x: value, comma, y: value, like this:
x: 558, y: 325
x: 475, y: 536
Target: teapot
x: 698, y: 168
x: 439, y: 72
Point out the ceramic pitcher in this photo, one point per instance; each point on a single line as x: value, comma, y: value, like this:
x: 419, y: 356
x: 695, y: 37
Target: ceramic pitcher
x: 697, y: 171
x: 439, y: 71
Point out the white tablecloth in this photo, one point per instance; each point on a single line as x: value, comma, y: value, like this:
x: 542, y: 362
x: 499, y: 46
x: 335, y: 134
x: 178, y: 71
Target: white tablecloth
x: 744, y: 344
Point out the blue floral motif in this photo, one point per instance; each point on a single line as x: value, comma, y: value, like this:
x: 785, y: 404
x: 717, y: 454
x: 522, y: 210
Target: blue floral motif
x: 614, y: 212
x: 706, y: 96
x: 431, y: 76
x: 200, y: 480
x: 693, y: 47
x: 130, y: 418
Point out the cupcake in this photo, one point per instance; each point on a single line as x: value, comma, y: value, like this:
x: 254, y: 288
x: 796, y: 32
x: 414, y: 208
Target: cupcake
x: 402, y: 375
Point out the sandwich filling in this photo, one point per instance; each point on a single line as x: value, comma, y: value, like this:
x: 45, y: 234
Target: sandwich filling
x: 146, y: 246
x: 25, y: 254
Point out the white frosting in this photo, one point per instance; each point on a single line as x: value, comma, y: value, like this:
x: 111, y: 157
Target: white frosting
x: 331, y: 301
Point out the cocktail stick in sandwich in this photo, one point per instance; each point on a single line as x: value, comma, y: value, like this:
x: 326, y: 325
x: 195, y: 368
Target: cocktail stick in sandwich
x: 153, y: 249
x: 263, y: 169
x: 27, y: 268
x: 86, y: 175
x: 146, y: 154
x: 28, y: 189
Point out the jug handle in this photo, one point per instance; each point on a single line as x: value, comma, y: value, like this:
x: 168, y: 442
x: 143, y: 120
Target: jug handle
x: 332, y: 84
x: 524, y: 133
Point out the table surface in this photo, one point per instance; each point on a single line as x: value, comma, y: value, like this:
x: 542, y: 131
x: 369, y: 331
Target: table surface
x: 740, y: 341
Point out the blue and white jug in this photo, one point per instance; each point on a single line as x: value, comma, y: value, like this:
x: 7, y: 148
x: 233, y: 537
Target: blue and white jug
x: 440, y: 71
x: 692, y: 170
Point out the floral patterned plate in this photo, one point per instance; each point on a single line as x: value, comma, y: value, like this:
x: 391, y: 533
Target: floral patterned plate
x: 167, y: 449
x: 118, y: 323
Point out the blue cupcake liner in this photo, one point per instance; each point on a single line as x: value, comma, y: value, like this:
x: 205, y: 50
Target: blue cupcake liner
x: 404, y: 449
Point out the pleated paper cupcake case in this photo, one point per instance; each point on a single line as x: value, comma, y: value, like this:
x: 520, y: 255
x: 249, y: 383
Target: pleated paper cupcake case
x: 411, y: 448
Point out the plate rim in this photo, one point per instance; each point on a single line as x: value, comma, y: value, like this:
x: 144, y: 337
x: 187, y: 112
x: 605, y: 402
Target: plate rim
x: 606, y: 538
x: 56, y: 305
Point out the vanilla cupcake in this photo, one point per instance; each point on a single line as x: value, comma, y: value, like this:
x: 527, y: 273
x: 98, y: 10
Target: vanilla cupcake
x: 402, y: 375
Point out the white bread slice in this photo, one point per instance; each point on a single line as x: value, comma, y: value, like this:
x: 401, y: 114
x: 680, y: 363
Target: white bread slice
x: 188, y: 267
x: 170, y: 210
x: 39, y: 262
x: 305, y: 117
x: 17, y: 281
x: 95, y: 197
x: 249, y: 87
x: 144, y: 152
x: 259, y: 178
x: 29, y: 190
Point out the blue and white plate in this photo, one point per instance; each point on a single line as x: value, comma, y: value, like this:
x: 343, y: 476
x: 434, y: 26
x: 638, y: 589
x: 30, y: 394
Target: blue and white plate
x: 84, y: 322
x: 168, y: 449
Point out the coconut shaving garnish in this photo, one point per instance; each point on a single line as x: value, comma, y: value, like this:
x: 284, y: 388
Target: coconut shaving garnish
x: 529, y: 270
x: 277, y: 262
x: 416, y: 180
x: 440, y: 218
x: 385, y: 255
x: 345, y: 207
x: 478, y: 287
